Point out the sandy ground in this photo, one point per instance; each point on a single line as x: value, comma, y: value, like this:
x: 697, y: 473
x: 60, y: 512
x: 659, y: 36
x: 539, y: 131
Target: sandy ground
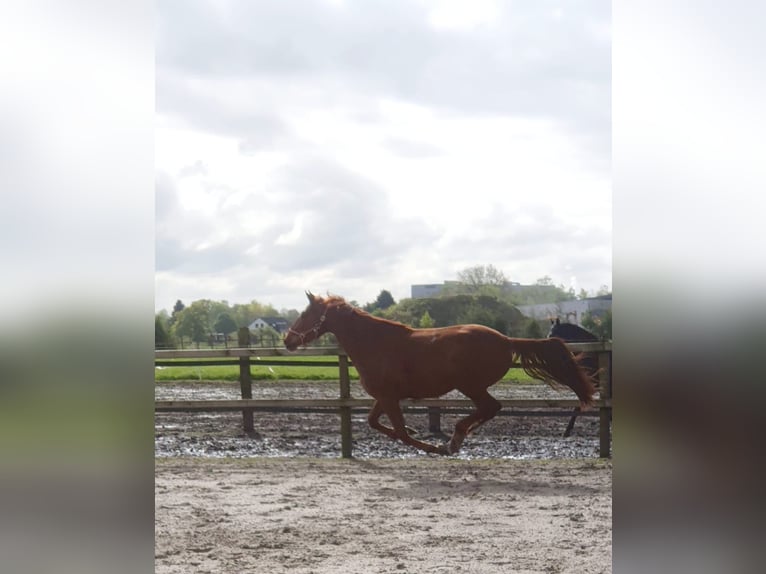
x: 425, y: 514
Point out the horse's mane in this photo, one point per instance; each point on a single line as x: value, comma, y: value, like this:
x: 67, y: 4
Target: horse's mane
x: 334, y: 301
x: 338, y: 302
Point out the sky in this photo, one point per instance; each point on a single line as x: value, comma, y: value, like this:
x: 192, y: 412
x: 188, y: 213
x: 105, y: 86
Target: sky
x: 350, y: 147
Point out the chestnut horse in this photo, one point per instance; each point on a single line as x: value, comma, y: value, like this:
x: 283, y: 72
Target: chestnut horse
x: 396, y: 362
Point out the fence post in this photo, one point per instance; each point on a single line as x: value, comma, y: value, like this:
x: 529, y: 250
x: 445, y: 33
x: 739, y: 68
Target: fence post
x: 605, y: 392
x: 345, y: 412
x: 434, y: 420
x: 245, y: 381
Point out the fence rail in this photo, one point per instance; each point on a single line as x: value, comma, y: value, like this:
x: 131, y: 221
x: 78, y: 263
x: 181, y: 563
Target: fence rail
x: 246, y: 357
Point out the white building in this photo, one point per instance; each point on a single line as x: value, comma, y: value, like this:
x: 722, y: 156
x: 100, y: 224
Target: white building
x: 279, y: 324
x: 569, y: 311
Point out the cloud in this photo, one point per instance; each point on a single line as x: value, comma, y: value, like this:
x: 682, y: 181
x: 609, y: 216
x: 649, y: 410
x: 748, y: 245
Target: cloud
x: 357, y: 146
x: 529, y: 60
x: 411, y: 148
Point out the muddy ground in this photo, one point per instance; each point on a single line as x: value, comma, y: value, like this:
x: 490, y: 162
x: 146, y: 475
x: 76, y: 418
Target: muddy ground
x: 220, y: 434
x: 518, y: 498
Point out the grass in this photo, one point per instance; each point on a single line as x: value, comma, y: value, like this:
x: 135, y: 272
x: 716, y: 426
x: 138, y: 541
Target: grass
x: 277, y: 372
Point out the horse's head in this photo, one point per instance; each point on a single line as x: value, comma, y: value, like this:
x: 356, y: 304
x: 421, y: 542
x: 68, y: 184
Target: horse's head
x: 309, y: 326
x: 555, y: 328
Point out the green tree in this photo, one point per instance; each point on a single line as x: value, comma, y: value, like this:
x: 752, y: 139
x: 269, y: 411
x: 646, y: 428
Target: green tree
x: 162, y: 338
x: 425, y: 322
x: 193, y: 323
x: 481, y: 279
x: 480, y: 275
x: 483, y: 309
x: 544, y: 281
x: 383, y: 301
x: 216, y: 309
x: 533, y: 330
x: 479, y: 315
x: 177, y: 308
x: 266, y: 337
x: 225, y: 324
x: 245, y: 313
x: 290, y: 314
x: 600, y: 325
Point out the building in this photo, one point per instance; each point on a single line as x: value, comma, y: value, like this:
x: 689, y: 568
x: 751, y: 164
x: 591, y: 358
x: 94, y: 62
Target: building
x: 569, y: 311
x: 426, y: 291
x: 279, y: 324
x: 434, y: 289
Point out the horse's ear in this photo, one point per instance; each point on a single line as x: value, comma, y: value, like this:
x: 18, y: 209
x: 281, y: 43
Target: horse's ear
x: 558, y: 321
x: 310, y: 296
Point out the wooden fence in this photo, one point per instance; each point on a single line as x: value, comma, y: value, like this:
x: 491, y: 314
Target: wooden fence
x: 343, y: 405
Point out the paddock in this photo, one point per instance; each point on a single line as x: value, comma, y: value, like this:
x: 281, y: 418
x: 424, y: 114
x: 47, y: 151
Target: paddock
x: 344, y: 404
x: 313, y: 509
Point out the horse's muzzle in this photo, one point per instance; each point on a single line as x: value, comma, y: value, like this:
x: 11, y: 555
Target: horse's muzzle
x: 291, y: 342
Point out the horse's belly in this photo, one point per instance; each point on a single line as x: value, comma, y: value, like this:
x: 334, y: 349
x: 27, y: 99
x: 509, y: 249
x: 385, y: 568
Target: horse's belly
x: 410, y: 387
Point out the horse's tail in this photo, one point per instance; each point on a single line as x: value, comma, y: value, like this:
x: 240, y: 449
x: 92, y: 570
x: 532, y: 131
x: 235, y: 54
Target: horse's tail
x: 550, y: 360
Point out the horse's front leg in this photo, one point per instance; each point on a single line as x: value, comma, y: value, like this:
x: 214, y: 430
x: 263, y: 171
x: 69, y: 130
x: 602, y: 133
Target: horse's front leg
x: 373, y: 419
x: 400, y: 431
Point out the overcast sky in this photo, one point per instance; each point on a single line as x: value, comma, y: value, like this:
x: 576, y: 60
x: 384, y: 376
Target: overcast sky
x: 354, y: 146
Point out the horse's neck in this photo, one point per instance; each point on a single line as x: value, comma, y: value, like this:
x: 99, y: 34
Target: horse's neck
x: 358, y: 333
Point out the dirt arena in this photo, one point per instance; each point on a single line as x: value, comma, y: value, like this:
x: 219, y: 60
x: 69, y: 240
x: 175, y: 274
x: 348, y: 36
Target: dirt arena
x: 426, y: 514
x: 517, y: 498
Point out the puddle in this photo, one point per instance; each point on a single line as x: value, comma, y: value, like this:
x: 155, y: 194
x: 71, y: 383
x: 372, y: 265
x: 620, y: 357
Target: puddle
x: 220, y: 434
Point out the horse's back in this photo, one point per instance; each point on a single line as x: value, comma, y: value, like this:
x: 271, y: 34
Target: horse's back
x: 463, y: 351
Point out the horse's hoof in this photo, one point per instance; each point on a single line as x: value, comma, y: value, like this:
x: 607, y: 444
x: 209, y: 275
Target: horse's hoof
x: 443, y: 449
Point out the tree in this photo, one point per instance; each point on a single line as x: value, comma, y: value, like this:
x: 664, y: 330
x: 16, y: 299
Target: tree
x: 162, y: 339
x: 533, y: 330
x: 192, y: 322
x: 480, y: 276
x: 452, y: 310
x: 225, y: 324
x: 425, y: 321
x: 382, y: 302
x: 177, y: 308
x: 290, y: 314
x: 267, y: 337
x: 245, y: 313
x: 480, y: 315
x: 600, y: 326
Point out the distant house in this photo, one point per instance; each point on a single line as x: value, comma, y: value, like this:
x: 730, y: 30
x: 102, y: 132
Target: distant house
x: 279, y: 324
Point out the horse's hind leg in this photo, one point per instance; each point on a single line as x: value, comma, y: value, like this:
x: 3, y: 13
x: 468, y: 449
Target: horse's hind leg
x: 572, y: 420
x: 487, y: 407
x: 400, y: 431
